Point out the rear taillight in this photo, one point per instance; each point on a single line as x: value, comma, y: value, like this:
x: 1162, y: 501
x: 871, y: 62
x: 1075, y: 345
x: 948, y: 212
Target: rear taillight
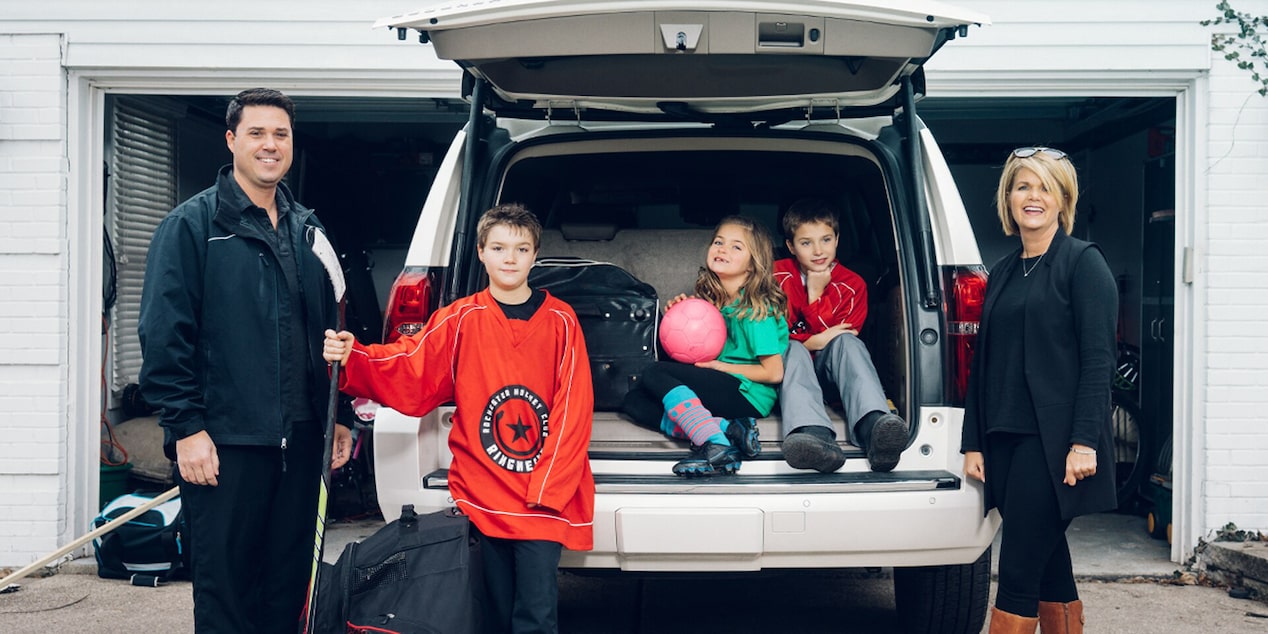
x: 967, y: 293
x: 412, y: 300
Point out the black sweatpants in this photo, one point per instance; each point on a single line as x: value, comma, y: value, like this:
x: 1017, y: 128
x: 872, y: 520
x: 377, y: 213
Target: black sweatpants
x: 1034, y: 557
x: 719, y: 392
x: 521, y: 585
x: 251, y: 536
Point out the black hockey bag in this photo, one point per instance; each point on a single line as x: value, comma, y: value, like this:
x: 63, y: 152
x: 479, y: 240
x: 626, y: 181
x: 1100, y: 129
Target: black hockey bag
x: 420, y: 573
x: 617, y: 312
x: 148, y: 549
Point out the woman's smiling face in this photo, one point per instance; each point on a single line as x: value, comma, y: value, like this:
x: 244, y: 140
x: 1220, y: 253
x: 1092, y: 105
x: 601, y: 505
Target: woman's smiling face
x: 1034, y: 208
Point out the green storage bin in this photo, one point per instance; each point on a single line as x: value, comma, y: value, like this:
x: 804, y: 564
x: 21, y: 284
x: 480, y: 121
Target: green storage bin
x: 114, y: 482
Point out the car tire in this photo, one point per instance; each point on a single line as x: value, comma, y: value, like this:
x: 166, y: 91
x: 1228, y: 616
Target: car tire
x: 943, y: 599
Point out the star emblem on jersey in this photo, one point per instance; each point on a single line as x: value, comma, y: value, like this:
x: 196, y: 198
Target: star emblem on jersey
x: 513, y: 428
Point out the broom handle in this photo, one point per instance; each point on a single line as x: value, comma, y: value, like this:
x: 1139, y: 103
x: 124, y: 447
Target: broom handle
x: 98, y: 532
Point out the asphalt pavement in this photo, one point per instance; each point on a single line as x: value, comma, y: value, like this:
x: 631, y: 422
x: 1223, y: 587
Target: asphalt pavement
x: 1126, y: 582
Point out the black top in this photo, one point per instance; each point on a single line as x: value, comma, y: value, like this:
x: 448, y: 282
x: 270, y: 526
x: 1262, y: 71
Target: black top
x: 296, y: 387
x: 525, y: 311
x: 1012, y: 409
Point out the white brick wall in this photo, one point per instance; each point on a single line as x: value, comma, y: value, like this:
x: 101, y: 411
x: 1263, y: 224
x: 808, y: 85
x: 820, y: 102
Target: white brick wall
x: 1236, y: 269
x: 33, y: 328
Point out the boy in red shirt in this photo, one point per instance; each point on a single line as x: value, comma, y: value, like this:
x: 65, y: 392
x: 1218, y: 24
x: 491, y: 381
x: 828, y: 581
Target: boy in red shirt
x: 512, y: 360
x: 827, y: 305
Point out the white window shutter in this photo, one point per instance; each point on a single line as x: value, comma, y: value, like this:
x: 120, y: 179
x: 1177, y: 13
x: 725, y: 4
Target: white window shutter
x: 141, y: 193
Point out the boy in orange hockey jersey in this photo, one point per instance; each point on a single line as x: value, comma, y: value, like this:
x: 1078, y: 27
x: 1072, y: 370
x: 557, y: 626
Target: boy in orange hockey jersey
x: 512, y: 360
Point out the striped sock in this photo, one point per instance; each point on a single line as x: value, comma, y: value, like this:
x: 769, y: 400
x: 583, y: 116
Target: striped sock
x: 684, y: 408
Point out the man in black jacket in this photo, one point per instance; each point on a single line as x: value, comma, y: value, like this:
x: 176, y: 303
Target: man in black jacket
x: 232, y: 315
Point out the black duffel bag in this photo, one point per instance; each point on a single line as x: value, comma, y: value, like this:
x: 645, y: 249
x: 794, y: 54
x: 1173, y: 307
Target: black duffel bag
x: 420, y: 573
x: 617, y: 312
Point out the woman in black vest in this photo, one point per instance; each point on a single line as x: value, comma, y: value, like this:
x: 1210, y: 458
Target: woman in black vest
x: 1037, y: 419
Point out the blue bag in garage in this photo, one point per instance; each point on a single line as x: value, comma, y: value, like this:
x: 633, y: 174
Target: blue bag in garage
x: 148, y: 549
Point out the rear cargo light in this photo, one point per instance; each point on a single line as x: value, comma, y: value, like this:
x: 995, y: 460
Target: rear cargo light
x: 412, y: 299
x: 967, y: 286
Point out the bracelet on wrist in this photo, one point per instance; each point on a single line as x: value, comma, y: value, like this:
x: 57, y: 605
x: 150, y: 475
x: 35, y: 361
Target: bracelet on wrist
x: 1084, y: 452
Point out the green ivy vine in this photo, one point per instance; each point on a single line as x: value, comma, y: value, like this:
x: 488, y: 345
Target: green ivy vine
x: 1248, y: 39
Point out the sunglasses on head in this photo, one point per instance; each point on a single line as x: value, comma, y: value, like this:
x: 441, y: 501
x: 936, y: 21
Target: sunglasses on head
x: 1026, y: 152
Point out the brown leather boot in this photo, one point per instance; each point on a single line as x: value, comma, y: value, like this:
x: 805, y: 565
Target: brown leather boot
x: 1008, y: 623
x: 1061, y: 618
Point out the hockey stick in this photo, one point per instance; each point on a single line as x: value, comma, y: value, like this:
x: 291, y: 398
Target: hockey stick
x: 97, y: 532
x: 329, y: 260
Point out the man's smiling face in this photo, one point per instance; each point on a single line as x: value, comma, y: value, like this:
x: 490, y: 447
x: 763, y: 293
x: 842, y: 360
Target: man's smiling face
x: 262, y: 147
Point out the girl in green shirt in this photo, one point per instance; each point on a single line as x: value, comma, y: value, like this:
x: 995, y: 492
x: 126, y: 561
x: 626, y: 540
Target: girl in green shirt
x: 715, y: 403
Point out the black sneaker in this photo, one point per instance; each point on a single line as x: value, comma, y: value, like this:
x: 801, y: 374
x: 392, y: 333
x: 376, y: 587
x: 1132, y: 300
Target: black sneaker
x: 708, y: 459
x: 887, y: 441
x: 807, y: 450
x: 742, y: 432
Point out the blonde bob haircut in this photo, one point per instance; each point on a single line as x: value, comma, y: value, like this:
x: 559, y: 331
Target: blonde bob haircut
x: 1056, y: 174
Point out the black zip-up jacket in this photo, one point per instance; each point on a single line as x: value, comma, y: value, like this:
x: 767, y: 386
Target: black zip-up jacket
x: 1068, y: 336
x: 210, y: 325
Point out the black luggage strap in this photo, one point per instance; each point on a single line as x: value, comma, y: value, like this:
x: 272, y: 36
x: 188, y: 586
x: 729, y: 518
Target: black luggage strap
x: 147, y: 581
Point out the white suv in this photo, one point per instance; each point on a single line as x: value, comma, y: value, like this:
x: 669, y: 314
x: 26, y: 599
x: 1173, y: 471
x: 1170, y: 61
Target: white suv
x: 630, y: 128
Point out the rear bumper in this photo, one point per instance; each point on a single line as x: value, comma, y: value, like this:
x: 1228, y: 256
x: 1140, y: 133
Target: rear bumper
x: 764, y: 518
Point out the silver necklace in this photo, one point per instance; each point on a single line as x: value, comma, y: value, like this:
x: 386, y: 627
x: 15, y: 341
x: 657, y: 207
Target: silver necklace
x: 1025, y: 272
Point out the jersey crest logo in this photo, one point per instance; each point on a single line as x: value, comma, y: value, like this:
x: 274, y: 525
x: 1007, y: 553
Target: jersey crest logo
x: 513, y: 428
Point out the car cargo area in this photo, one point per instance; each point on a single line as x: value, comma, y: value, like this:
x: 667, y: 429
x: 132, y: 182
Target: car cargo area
x: 649, y: 206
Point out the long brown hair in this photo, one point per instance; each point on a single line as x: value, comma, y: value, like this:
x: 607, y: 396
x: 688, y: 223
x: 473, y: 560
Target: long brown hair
x: 759, y: 297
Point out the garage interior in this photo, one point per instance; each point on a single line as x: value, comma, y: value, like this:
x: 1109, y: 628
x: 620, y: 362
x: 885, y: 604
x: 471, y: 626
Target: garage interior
x: 359, y: 158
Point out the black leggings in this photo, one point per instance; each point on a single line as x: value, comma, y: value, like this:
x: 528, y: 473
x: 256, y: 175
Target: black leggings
x: 1034, y: 557
x: 719, y: 393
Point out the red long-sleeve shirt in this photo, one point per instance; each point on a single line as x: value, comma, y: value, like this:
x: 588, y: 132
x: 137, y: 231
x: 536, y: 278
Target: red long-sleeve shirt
x: 844, y: 300
x: 524, y: 405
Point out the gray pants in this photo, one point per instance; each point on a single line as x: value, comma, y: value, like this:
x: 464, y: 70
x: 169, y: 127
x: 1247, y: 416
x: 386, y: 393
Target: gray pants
x: 844, y: 366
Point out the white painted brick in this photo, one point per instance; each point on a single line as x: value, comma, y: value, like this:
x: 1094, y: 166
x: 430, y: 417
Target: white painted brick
x: 32, y: 488
x: 10, y: 53
x: 1237, y: 344
x: 1238, y: 473
x: 1216, y: 489
x: 1245, y: 521
x: 32, y: 309
x: 38, y: 198
x: 1235, y: 426
x: 24, y: 549
x: 34, y: 357
x: 1230, y: 507
x: 34, y: 83
x: 1249, y: 489
x: 30, y: 132
x: 42, y: 99
x: 29, y: 513
x: 1238, y: 378
x: 32, y: 293
x: 1243, y: 296
x: 1237, y: 442
x: 45, y: 164
x: 1251, y: 454
x: 1248, y: 360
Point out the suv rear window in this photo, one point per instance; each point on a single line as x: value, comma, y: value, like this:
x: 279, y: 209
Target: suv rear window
x: 695, y: 189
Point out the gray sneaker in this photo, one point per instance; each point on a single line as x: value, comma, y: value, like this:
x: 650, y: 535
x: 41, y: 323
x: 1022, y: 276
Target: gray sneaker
x: 806, y: 450
x: 888, y: 439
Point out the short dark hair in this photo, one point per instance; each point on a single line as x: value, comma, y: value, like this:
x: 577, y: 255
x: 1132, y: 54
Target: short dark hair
x: 809, y: 210
x: 512, y: 215
x: 257, y: 97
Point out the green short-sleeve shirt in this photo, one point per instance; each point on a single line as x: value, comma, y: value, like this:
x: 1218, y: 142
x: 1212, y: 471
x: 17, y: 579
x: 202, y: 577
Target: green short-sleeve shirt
x: 746, y: 340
